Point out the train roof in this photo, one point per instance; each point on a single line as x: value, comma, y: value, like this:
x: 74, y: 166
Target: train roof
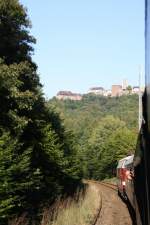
x: 125, y: 161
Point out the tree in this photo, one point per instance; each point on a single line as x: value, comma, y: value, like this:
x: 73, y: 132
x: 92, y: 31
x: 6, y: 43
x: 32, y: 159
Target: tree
x: 17, y: 102
x: 18, y: 175
x: 109, y: 142
x: 97, y: 144
x: 119, y: 145
x: 129, y: 89
x: 16, y: 43
x: 14, y: 169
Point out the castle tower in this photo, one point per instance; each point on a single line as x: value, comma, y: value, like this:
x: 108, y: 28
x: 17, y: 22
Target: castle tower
x: 124, y: 84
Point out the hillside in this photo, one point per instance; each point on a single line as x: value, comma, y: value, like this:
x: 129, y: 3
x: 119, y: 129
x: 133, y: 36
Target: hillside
x: 80, y: 116
x: 100, y: 125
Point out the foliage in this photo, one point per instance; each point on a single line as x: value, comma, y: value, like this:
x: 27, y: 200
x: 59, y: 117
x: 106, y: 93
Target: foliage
x: 82, y: 116
x: 129, y: 88
x: 109, y: 142
x: 104, y: 128
x: 14, y: 169
x: 16, y: 43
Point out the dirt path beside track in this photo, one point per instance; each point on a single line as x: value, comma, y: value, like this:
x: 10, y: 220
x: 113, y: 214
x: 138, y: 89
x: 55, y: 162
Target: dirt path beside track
x: 114, y: 211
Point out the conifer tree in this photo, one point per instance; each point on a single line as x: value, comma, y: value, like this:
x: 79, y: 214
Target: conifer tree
x: 14, y: 179
x: 16, y: 42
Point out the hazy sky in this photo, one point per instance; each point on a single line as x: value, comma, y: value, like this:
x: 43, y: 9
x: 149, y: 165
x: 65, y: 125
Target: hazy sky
x: 85, y: 43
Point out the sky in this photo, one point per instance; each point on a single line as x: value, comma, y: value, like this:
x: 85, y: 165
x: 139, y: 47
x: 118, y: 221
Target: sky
x: 86, y: 43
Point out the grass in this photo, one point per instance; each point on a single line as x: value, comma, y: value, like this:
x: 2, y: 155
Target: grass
x: 73, y: 211
x: 78, y: 210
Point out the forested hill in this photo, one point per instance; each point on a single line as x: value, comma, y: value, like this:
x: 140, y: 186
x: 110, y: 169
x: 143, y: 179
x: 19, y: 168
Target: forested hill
x: 104, y: 129
x: 82, y: 116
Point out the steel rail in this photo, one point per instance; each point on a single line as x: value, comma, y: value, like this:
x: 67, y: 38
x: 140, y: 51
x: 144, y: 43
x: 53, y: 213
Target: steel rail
x: 112, y: 186
x: 99, y: 211
x: 106, y: 184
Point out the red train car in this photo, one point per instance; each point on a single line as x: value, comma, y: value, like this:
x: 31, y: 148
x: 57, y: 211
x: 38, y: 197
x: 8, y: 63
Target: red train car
x: 124, y: 178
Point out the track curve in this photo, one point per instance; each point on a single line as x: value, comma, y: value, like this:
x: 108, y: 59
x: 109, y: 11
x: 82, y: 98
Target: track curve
x: 111, y: 210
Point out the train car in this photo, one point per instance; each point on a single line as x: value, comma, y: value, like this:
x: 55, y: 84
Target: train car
x: 146, y: 111
x: 124, y: 178
x: 141, y: 160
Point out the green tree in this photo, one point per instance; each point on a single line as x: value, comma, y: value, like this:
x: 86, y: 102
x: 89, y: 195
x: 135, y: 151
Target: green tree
x: 129, y: 89
x: 120, y: 144
x: 97, y: 144
x: 109, y: 142
x: 15, y: 179
x: 16, y: 101
x: 16, y: 43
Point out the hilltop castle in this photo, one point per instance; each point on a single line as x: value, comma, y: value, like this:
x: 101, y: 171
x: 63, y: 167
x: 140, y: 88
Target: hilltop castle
x: 116, y: 90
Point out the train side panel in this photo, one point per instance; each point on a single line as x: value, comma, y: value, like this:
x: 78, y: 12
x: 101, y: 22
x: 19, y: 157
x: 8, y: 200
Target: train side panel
x: 146, y: 109
x: 142, y: 154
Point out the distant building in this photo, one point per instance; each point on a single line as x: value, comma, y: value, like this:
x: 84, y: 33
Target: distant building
x: 63, y: 95
x: 135, y: 90
x: 107, y: 93
x: 116, y: 90
x: 124, y: 84
x: 96, y: 90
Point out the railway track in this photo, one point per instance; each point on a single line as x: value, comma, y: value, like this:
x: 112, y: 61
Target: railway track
x: 108, y: 185
x: 99, y: 211
x: 111, y: 209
